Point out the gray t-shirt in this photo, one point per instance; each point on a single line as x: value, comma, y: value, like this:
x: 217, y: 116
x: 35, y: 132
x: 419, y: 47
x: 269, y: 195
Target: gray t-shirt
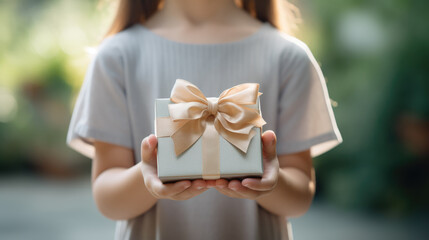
x: 134, y: 67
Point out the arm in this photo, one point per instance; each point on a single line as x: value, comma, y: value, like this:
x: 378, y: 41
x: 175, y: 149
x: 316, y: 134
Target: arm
x: 117, y: 183
x: 287, y: 186
x: 295, y: 188
x: 123, y: 190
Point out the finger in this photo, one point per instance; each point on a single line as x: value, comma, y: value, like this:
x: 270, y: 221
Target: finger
x: 263, y: 184
x: 167, y: 190
x: 243, y: 191
x: 269, y: 142
x: 222, y: 183
x: 153, y: 141
x: 148, y: 149
x: 229, y: 188
x: 198, y: 186
x: 269, y: 178
x: 228, y: 192
x: 222, y: 187
x: 211, y: 183
x: 188, y: 194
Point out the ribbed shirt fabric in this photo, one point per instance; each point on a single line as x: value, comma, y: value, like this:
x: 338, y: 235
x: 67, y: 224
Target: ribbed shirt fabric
x: 134, y: 67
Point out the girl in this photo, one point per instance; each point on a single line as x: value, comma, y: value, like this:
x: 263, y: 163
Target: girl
x: 215, y: 45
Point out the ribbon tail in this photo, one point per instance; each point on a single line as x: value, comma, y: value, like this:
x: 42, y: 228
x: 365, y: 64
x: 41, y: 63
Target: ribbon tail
x: 210, y: 152
x: 189, y: 133
x: 183, y: 133
x: 165, y: 127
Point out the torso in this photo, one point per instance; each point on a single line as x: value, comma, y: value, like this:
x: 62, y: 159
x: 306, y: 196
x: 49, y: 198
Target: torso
x: 152, y: 63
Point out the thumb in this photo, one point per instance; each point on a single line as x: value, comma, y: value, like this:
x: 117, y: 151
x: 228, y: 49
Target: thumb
x: 269, y: 141
x: 148, y: 148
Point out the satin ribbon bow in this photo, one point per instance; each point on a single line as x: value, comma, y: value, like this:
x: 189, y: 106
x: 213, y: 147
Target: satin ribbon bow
x: 192, y: 115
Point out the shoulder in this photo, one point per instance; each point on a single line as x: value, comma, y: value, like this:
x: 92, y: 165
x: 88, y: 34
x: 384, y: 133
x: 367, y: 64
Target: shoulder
x: 296, y: 60
x: 119, y: 46
x: 291, y: 50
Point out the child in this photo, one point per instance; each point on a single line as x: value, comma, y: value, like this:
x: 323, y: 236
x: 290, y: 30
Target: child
x: 214, y: 45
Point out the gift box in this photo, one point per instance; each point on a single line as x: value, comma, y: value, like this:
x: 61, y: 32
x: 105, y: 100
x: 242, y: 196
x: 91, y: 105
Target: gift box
x: 209, y: 138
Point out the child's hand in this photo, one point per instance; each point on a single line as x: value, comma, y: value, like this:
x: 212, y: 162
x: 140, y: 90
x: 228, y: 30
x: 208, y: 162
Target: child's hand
x: 253, y: 188
x: 180, y: 190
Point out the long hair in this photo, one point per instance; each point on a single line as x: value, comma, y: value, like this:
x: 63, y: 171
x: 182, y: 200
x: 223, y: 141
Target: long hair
x: 280, y: 13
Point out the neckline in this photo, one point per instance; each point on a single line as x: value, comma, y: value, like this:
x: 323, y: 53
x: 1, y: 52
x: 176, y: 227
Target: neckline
x: 238, y: 41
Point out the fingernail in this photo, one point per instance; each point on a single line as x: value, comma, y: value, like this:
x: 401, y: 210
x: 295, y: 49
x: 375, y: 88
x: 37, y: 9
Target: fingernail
x: 199, y: 188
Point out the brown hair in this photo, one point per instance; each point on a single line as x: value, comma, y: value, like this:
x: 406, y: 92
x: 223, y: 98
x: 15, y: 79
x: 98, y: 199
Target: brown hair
x: 280, y: 13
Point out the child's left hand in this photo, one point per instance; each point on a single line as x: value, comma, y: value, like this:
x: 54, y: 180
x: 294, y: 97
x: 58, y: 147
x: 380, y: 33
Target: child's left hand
x: 252, y: 188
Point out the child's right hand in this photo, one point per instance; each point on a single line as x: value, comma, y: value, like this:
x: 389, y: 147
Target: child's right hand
x: 180, y: 190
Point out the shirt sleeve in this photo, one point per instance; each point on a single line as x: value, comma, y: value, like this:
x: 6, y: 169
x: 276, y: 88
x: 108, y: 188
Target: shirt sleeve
x: 305, y: 120
x: 101, y: 111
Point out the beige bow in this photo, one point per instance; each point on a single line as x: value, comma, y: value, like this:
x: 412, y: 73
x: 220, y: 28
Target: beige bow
x: 192, y: 111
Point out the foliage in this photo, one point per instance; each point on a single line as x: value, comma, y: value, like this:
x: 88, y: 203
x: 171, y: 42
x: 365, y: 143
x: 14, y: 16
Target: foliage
x: 373, y: 54
x: 42, y: 64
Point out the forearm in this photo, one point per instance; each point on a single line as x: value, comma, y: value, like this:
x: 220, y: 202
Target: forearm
x: 120, y: 193
x: 292, y: 195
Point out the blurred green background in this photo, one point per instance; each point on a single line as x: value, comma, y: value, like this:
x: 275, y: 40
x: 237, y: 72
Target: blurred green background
x: 374, y: 55
x: 45, y: 48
